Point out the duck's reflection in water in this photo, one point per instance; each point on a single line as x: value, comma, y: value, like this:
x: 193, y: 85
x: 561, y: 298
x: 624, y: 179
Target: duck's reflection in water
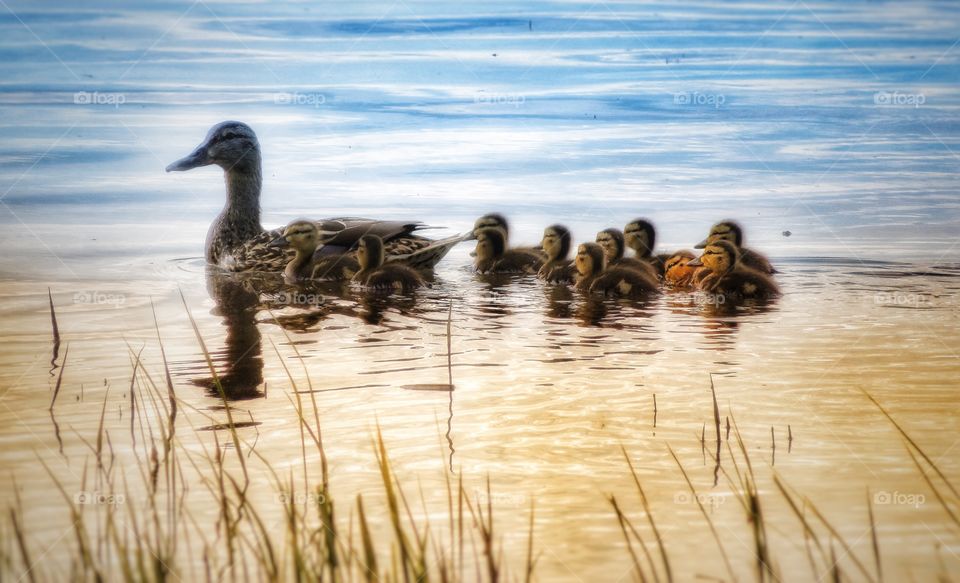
x: 722, y: 317
x: 374, y: 305
x: 559, y: 301
x: 240, y: 370
x: 244, y: 301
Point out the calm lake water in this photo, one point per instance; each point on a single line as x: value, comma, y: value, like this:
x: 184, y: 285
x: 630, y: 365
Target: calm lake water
x: 832, y: 132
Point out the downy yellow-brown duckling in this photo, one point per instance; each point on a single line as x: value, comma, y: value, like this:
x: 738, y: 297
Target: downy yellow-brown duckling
x: 556, y: 244
x: 732, y: 231
x: 641, y: 236
x: 731, y: 279
x: 498, y: 221
x: 304, y: 238
x: 492, y: 255
x: 376, y: 274
x: 613, y: 245
x: 677, y: 271
x: 594, y: 276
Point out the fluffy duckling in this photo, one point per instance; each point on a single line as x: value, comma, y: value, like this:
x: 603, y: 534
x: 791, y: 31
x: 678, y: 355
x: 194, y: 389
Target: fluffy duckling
x: 615, y: 280
x: 556, y: 244
x: 613, y: 243
x: 374, y: 273
x: 677, y: 271
x: 498, y: 221
x: 304, y: 238
x: 640, y: 236
x: 729, y: 278
x: 492, y: 255
x: 732, y: 231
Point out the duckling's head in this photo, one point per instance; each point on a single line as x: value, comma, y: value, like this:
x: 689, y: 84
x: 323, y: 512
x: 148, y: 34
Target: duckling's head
x: 611, y: 240
x: 491, y: 221
x: 676, y: 267
x: 301, y: 235
x: 491, y: 243
x: 590, y: 259
x: 678, y: 259
x: 556, y: 242
x: 724, y: 231
x: 370, y: 254
x: 719, y: 257
x: 231, y: 145
x: 640, y: 236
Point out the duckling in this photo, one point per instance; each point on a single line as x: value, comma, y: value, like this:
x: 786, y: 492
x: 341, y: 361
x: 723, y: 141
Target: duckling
x: 729, y: 278
x: 374, y: 273
x: 640, y: 236
x: 498, y: 221
x: 593, y: 276
x: 237, y: 242
x: 613, y: 243
x: 732, y: 231
x: 304, y: 237
x: 556, y: 244
x: 492, y: 255
x: 677, y: 272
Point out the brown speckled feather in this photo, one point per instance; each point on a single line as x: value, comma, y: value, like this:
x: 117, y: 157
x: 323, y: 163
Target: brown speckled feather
x: 257, y: 255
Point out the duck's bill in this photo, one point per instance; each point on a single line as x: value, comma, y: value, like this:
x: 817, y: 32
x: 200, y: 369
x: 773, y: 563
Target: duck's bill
x: 701, y: 244
x: 196, y: 159
x: 280, y: 241
x: 694, y: 262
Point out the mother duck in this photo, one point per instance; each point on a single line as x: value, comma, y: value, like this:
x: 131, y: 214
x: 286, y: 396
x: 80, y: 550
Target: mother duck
x: 237, y: 242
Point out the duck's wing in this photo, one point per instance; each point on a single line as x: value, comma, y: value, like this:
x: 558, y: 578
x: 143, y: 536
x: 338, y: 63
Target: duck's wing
x: 757, y: 261
x: 420, y: 252
x: 335, y: 267
x: 346, y: 231
x: 624, y: 282
x: 640, y: 265
x: 256, y: 254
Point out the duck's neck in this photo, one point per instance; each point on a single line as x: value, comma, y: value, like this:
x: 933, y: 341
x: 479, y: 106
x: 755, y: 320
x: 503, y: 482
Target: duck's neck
x: 295, y: 269
x: 643, y: 251
x: 240, y: 219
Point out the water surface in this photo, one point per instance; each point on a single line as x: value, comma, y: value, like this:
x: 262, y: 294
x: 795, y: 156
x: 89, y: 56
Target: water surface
x: 837, y: 124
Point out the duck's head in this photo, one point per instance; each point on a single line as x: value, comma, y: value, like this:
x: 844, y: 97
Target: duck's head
x: 491, y: 221
x: 556, y: 242
x: 723, y: 231
x: 231, y: 145
x: 611, y: 240
x: 370, y: 254
x: 590, y: 259
x: 640, y: 236
x: 302, y: 235
x: 719, y: 257
x: 491, y: 243
x: 677, y: 266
